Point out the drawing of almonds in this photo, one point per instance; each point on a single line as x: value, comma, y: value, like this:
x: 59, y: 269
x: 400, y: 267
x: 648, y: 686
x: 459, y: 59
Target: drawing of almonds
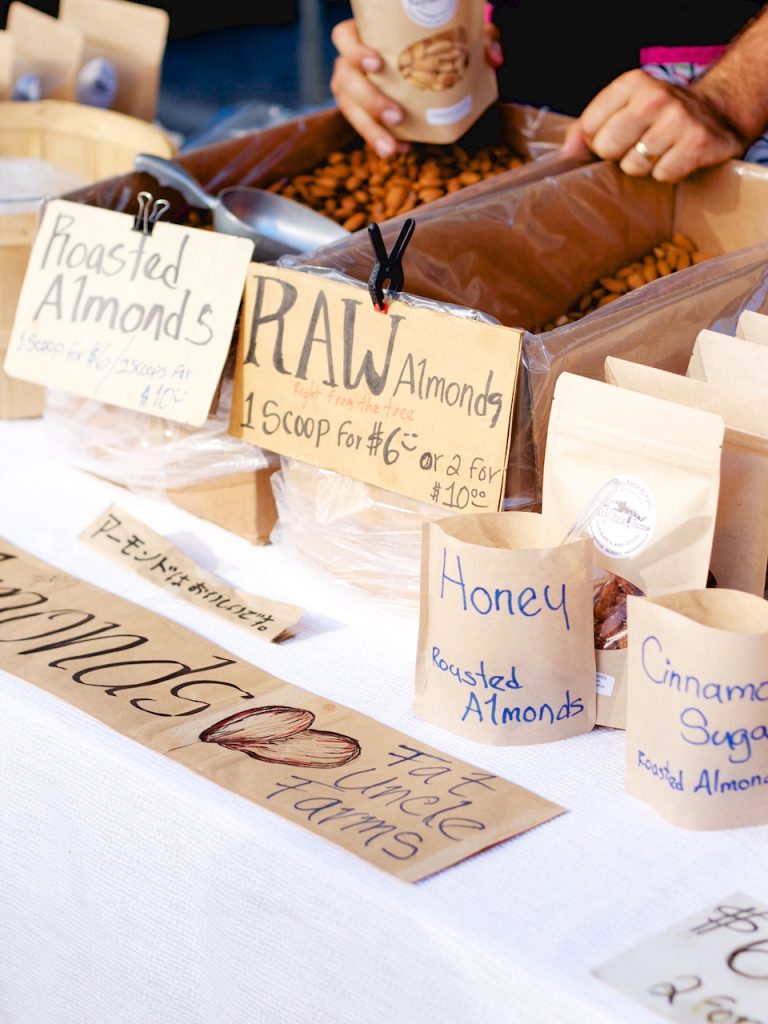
x: 311, y: 748
x: 255, y: 725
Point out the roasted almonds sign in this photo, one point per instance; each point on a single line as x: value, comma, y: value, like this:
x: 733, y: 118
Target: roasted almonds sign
x: 135, y: 319
x: 415, y: 400
x: 403, y: 806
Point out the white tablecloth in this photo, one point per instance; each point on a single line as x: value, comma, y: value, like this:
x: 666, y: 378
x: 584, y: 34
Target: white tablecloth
x: 135, y: 891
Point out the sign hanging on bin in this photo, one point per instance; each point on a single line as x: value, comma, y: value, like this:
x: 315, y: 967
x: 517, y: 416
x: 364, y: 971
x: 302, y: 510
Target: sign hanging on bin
x: 416, y: 400
x: 141, y: 319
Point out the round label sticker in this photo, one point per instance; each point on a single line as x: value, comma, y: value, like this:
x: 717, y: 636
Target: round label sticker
x: 624, y: 524
x: 430, y: 13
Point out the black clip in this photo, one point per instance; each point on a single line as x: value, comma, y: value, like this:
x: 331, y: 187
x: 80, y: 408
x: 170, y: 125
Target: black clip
x: 388, y: 267
x: 150, y: 210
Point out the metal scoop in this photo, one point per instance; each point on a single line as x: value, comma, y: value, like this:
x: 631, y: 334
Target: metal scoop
x: 275, y: 224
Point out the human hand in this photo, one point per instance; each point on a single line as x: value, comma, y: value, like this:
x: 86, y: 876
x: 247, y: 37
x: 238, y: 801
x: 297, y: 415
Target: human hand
x: 653, y: 128
x: 365, y: 106
x: 370, y: 112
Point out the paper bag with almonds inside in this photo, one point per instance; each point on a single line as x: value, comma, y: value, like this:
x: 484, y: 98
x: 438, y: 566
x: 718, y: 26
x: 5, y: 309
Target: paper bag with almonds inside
x: 697, y: 738
x: 505, y: 634
x: 124, y: 44
x: 655, y: 467
x: 740, y: 543
x: 434, y: 63
x: 46, y: 54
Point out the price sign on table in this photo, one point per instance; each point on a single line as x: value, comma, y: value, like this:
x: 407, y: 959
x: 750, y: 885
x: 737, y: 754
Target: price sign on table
x: 415, y: 400
x: 712, y: 967
x: 136, y: 319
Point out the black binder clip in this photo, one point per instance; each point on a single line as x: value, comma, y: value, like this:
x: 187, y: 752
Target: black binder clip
x: 150, y: 210
x: 388, y: 266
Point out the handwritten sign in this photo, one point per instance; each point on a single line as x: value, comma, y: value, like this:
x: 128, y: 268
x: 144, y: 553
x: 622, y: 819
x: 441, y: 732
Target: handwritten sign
x: 141, y: 321
x: 712, y: 967
x: 399, y: 804
x: 505, y: 652
x: 415, y: 400
x: 697, y: 733
x: 136, y: 547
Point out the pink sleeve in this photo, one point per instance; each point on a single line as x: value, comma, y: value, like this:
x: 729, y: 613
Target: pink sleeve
x: 488, y: 12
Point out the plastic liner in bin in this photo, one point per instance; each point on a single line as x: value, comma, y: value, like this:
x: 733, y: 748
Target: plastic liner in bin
x: 525, y: 255
x: 281, y: 151
x: 362, y: 534
x: 146, y: 453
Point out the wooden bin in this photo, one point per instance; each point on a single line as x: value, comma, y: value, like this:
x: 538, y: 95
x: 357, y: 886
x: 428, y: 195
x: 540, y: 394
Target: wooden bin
x: 87, y: 141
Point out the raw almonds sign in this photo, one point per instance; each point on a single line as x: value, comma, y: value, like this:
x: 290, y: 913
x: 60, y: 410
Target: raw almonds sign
x: 135, y: 319
x: 415, y: 400
x: 400, y: 805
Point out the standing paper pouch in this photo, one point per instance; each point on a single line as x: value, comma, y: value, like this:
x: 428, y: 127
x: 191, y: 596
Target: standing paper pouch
x: 697, y: 731
x: 654, y: 531
x: 505, y: 653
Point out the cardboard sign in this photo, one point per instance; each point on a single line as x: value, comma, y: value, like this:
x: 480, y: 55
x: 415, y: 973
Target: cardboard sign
x: 709, y: 967
x: 414, y: 400
x: 402, y: 806
x: 697, y: 680
x: 142, y: 321
x: 136, y: 547
x: 505, y: 651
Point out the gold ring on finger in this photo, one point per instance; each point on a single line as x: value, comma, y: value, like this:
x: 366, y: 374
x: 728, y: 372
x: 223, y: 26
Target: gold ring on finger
x: 642, y: 150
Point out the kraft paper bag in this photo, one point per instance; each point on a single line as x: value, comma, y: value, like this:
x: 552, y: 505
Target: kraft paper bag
x: 697, y: 736
x: 132, y: 38
x: 752, y: 326
x: 730, y: 362
x: 434, y: 63
x: 655, y: 465
x: 45, y: 49
x: 740, y: 543
x: 505, y: 653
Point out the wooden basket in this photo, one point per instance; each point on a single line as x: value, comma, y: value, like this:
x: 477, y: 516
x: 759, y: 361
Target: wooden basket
x: 90, y: 143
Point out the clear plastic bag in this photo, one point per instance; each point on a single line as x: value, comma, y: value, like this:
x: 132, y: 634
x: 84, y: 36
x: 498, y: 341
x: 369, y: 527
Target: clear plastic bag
x: 147, y: 453
x: 362, y: 534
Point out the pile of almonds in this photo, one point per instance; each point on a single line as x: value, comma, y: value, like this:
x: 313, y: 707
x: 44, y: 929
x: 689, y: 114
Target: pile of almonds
x: 437, y: 63
x: 356, y: 187
x: 677, y: 253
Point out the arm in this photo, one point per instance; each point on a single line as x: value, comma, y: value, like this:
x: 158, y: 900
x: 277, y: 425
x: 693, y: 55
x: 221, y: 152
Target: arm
x: 682, y: 128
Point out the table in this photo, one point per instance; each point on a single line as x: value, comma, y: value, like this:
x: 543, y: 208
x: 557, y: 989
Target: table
x: 136, y: 891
